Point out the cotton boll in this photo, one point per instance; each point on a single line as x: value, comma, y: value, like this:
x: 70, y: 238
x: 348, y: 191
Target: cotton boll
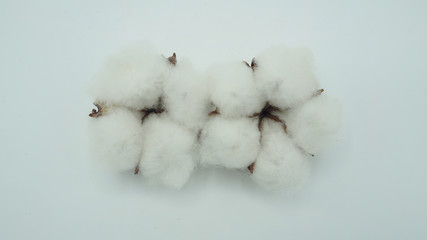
x: 116, y: 138
x: 312, y: 124
x: 280, y: 164
x: 231, y: 143
x: 233, y: 90
x: 185, y: 96
x: 286, y: 76
x: 131, y: 78
x: 168, y: 151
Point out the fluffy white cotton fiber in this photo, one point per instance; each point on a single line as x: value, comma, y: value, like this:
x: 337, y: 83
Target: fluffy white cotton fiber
x: 132, y: 78
x: 312, y: 124
x: 185, y: 96
x: 285, y: 76
x: 233, y: 90
x: 116, y: 138
x: 168, y: 151
x: 230, y: 143
x: 280, y: 163
x: 181, y: 128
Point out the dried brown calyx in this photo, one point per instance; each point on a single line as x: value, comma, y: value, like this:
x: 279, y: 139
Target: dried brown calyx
x: 159, y: 108
x: 268, y: 112
x: 97, y: 112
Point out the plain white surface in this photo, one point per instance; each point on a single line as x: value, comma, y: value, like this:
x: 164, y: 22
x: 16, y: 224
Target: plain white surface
x: 370, y: 184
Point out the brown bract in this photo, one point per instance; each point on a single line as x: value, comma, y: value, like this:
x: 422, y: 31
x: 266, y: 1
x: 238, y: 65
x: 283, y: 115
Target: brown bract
x: 215, y: 112
x: 172, y: 59
x: 251, y: 167
x: 96, y: 113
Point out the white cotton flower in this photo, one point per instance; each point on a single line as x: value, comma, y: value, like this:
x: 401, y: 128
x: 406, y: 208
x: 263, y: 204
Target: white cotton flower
x: 168, y: 151
x: 231, y: 143
x: 280, y: 164
x: 285, y: 76
x: 116, y: 138
x: 132, y: 78
x: 233, y: 90
x: 313, y: 123
x: 185, y: 96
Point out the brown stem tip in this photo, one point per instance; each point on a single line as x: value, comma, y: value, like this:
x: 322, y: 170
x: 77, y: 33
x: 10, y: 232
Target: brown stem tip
x: 136, y: 170
x: 251, y: 168
x: 96, y: 113
x: 318, y: 92
x: 215, y: 112
x: 172, y: 59
x: 254, y: 64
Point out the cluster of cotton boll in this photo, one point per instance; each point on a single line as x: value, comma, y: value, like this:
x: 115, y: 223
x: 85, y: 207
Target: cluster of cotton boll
x: 231, y: 139
x: 160, y: 118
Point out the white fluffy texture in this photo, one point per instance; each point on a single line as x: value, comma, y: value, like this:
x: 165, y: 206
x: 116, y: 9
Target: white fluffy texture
x: 231, y: 143
x: 166, y: 146
x: 233, y: 90
x: 280, y: 164
x: 185, y: 96
x: 312, y: 124
x: 131, y: 78
x: 168, y: 151
x: 116, y: 138
x: 286, y: 76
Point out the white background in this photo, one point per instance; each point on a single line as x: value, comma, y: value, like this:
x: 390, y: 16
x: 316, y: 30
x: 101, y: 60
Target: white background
x: 369, y: 184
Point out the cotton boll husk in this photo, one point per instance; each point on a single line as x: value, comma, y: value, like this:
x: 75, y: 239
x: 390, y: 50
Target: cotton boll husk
x: 168, y: 151
x: 116, y: 138
x: 286, y: 76
x: 131, y: 78
x: 233, y: 90
x: 230, y: 143
x: 313, y: 124
x: 186, y: 97
x: 280, y: 164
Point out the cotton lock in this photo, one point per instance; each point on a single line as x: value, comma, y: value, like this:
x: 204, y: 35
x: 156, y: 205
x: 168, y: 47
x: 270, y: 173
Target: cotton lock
x: 159, y: 118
